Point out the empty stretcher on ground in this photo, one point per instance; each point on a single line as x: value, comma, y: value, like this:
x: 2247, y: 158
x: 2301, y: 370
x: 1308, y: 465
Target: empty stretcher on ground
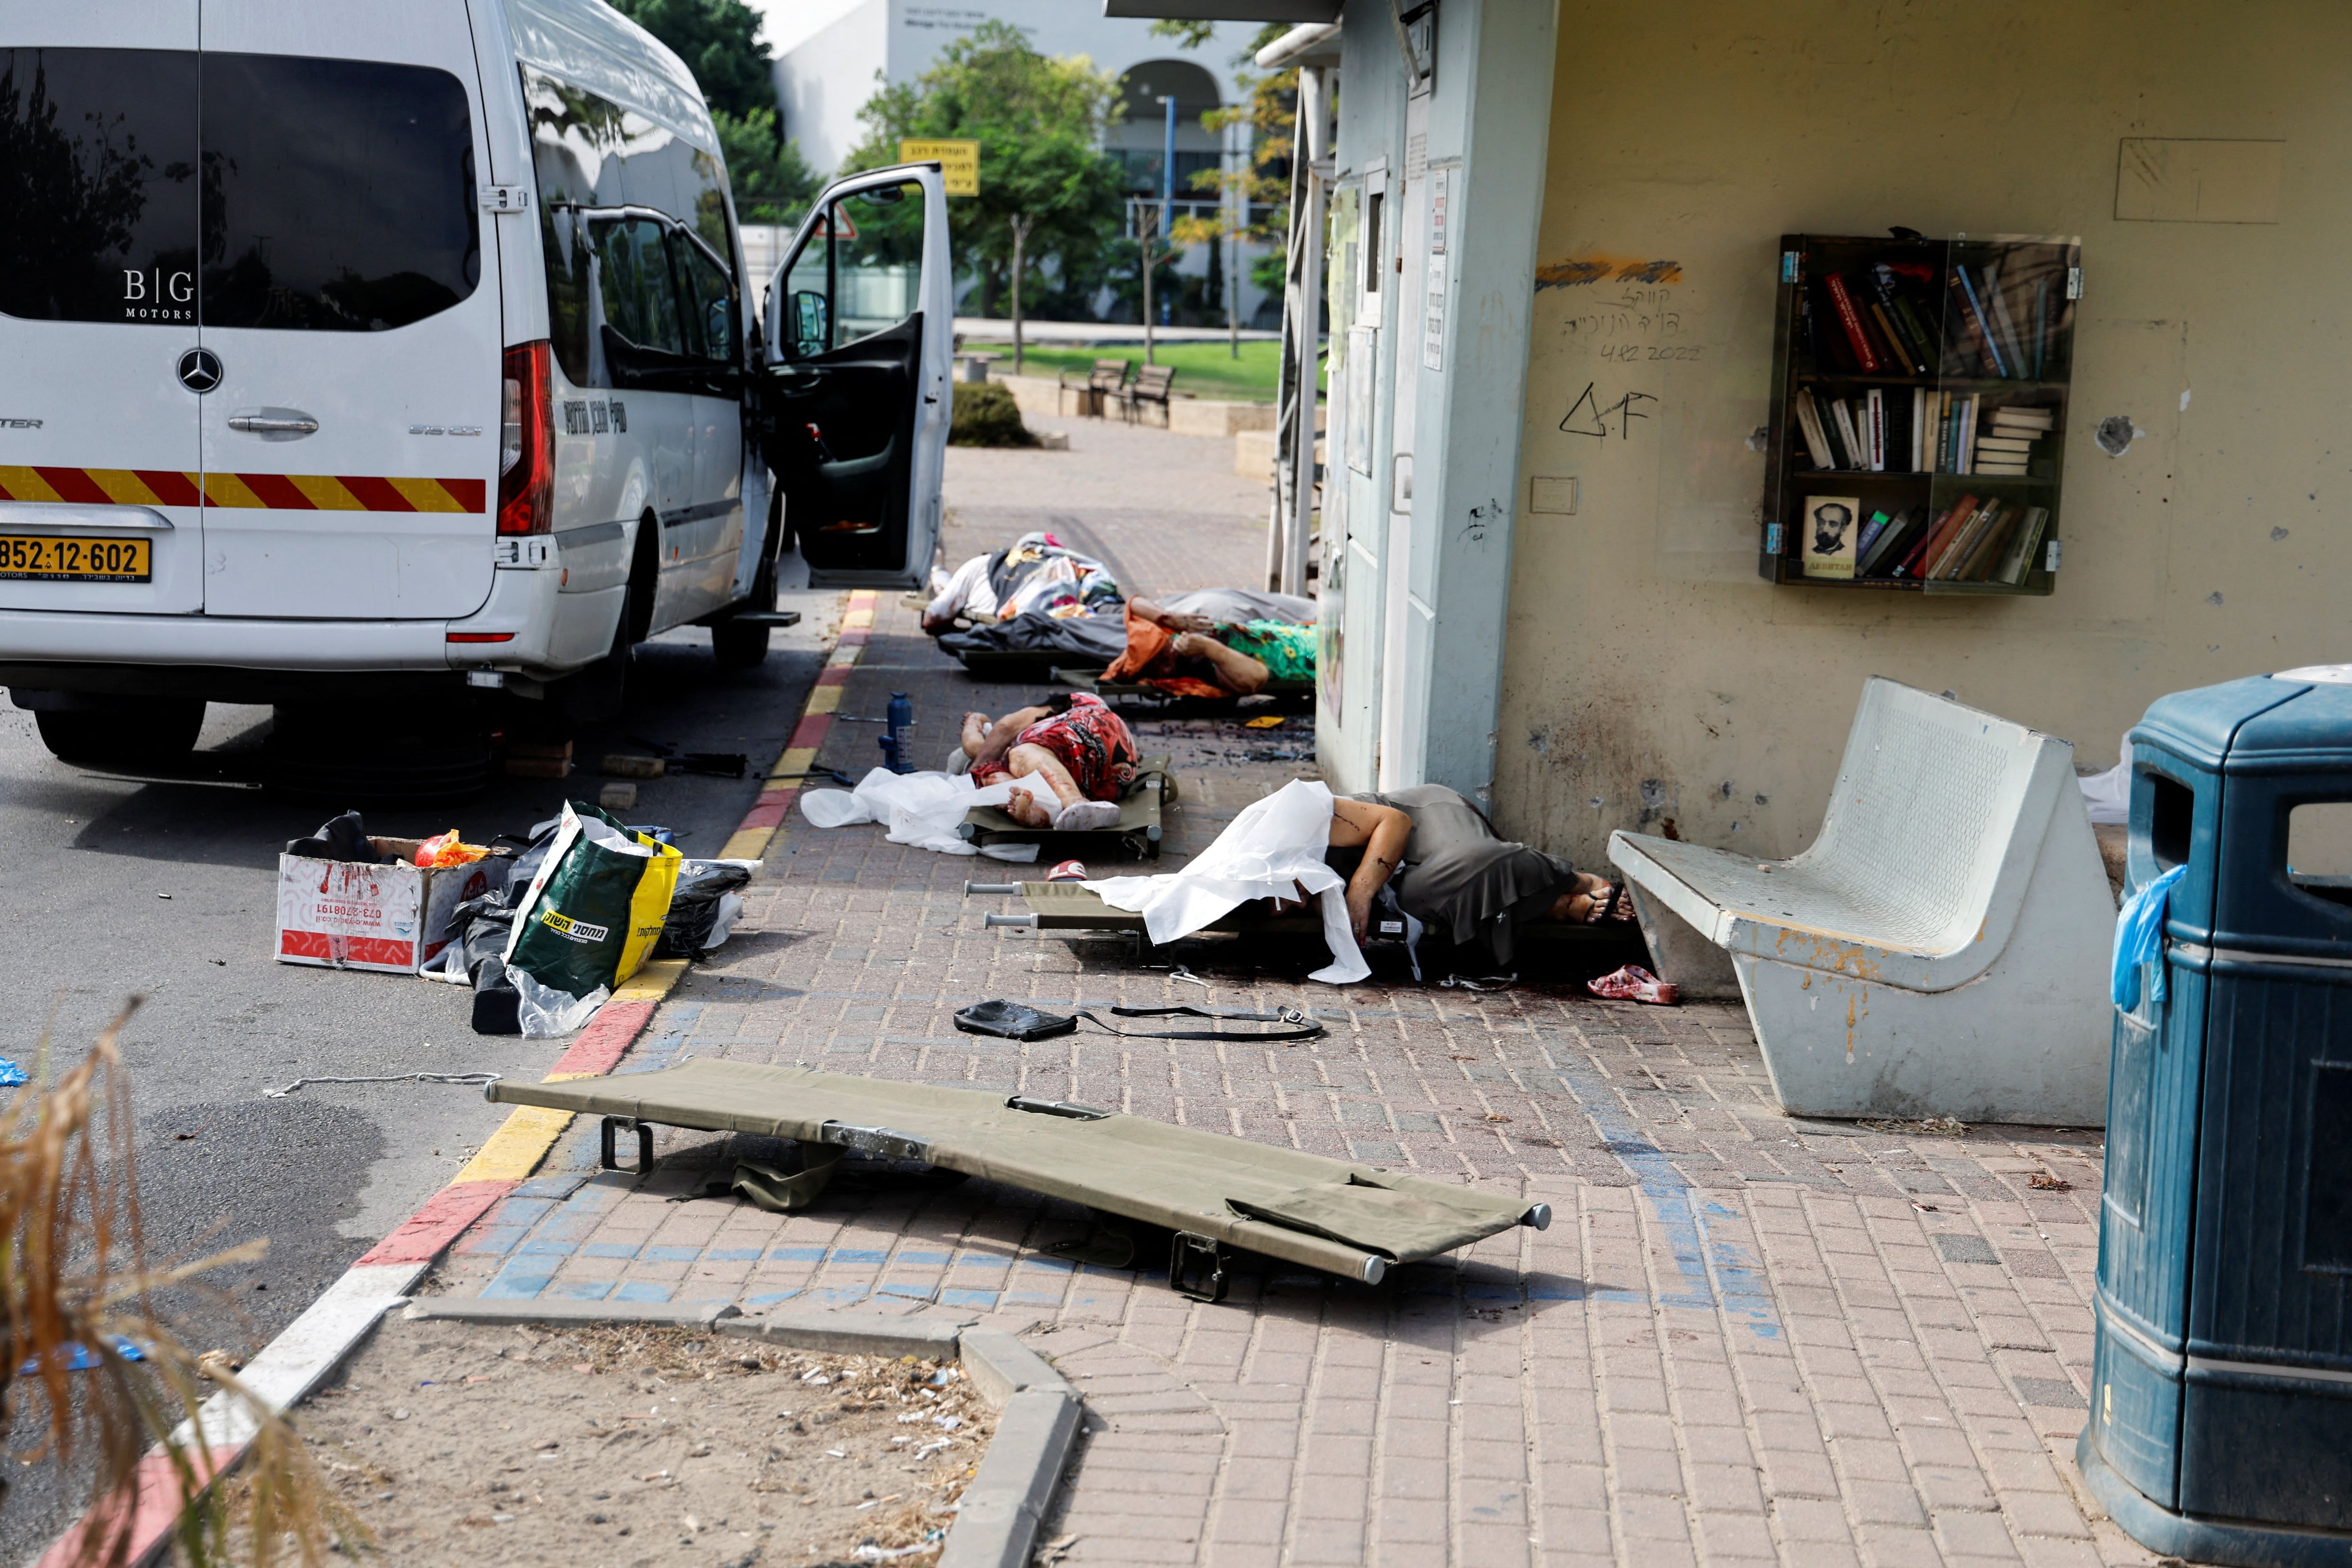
x: 1353, y: 1220
x: 1152, y: 790
x: 1071, y: 906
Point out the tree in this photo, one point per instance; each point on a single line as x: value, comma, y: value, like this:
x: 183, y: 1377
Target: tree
x: 719, y: 42
x: 1047, y: 187
x: 773, y: 184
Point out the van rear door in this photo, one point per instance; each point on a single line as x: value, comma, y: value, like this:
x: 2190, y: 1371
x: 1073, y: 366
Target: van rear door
x: 349, y: 294
x: 99, y: 446
x: 854, y: 407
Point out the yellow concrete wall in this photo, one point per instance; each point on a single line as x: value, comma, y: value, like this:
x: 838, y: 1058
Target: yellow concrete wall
x: 1651, y: 674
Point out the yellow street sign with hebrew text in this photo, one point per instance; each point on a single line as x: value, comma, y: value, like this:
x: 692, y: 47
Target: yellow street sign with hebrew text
x: 959, y: 162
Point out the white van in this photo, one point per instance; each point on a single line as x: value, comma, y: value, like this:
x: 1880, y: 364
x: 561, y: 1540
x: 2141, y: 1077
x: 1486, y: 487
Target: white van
x: 354, y: 355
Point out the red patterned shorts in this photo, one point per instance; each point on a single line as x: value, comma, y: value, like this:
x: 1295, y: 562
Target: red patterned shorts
x: 1089, y: 739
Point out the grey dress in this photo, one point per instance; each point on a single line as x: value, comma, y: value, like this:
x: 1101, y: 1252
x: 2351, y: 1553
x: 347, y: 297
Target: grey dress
x: 1463, y: 881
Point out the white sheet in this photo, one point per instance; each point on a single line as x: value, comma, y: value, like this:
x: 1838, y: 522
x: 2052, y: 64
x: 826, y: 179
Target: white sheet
x: 920, y: 809
x: 1272, y: 844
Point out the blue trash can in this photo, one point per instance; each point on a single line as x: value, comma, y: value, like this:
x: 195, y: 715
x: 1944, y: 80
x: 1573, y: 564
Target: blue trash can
x: 2220, y: 1423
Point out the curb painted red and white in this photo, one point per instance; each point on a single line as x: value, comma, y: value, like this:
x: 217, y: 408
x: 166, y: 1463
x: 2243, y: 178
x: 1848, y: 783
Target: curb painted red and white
x: 312, y: 1345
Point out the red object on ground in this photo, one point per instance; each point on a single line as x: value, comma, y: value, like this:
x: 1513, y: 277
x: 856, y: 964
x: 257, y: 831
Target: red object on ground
x: 1635, y: 983
x: 1067, y: 871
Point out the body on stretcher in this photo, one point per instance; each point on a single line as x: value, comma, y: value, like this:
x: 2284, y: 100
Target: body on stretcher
x: 1138, y: 826
x: 1071, y: 906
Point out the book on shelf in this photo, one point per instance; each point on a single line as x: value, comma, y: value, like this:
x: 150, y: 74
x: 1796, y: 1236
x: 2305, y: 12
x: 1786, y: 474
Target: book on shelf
x: 2003, y: 322
x: 1946, y: 563
x: 1849, y: 319
x: 1893, y: 542
x: 1977, y: 329
x: 2041, y: 325
x: 2000, y: 470
x: 1849, y: 438
x: 1922, y: 457
x: 1809, y: 425
x: 1907, y: 359
x: 2018, y: 559
x: 1828, y: 527
x: 2020, y: 445
x: 1871, y: 531
x: 1932, y: 541
x: 2023, y: 416
x: 1874, y: 412
x: 1973, y: 563
x: 1892, y: 281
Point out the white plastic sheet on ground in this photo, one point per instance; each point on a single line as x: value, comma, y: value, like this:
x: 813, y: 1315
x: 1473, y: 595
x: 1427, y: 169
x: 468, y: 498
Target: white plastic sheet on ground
x: 920, y: 809
x: 1273, y: 848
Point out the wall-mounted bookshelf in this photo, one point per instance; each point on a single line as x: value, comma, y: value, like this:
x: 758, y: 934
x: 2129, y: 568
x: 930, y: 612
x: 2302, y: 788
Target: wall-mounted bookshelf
x: 1918, y: 429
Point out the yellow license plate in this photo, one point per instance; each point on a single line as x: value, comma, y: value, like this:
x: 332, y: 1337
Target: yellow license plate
x: 73, y: 560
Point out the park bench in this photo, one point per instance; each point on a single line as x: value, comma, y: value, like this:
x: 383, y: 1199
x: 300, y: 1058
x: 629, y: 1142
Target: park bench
x: 1105, y: 381
x: 1150, y: 385
x: 1941, y: 949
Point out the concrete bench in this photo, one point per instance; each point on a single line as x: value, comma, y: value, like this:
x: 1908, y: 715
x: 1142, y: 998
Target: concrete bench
x: 1940, y: 950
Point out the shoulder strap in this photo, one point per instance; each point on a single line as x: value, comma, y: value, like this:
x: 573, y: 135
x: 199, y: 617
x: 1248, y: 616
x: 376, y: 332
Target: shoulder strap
x: 1298, y: 1025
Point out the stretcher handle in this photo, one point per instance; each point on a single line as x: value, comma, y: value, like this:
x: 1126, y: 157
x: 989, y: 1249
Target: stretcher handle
x: 971, y: 888
x: 1027, y: 920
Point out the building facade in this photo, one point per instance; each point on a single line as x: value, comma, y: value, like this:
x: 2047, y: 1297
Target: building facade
x: 1556, y: 253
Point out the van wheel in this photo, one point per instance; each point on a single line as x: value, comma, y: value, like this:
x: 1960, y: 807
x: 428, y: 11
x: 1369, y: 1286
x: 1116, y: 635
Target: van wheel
x: 125, y: 732
x: 336, y: 756
x: 738, y: 647
x: 596, y: 694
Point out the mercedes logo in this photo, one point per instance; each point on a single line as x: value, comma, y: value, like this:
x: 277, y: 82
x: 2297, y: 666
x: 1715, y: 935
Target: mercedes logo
x: 200, y: 370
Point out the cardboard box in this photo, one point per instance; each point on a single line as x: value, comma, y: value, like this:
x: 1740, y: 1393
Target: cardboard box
x: 342, y: 914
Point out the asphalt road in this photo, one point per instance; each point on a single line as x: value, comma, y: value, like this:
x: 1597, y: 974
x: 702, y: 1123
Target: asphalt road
x: 111, y: 889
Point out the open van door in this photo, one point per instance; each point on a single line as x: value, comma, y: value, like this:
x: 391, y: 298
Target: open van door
x: 855, y: 399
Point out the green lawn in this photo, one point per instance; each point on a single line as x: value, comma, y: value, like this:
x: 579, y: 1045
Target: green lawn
x: 1208, y: 370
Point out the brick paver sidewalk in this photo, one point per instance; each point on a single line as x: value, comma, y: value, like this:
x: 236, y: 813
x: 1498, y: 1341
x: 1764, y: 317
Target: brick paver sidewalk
x: 1744, y: 1337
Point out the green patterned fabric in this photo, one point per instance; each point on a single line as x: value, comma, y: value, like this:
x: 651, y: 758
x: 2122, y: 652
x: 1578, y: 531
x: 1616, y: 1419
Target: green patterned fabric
x: 1287, y: 651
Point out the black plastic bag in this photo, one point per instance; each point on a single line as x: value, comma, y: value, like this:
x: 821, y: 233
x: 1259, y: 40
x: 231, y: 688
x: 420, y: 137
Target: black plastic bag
x: 702, y: 884
x: 341, y: 838
x: 1012, y: 1021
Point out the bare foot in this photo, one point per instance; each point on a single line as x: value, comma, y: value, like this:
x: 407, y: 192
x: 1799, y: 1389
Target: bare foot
x: 1593, y: 900
x: 1024, y: 809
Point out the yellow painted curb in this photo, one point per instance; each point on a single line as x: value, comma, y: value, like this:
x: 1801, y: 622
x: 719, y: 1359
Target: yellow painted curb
x: 516, y: 1149
x: 748, y: 844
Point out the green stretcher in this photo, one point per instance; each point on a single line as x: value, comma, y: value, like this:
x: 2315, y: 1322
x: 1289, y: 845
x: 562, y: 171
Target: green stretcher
x: 1352, y: 1220
x: 1071, y: 906
x: 1012, y: 664
x: 1135, y: 691
x: 1137, y: 830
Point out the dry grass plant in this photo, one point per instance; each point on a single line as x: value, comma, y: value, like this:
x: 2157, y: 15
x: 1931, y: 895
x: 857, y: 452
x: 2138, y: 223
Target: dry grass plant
x: 73, y: 1277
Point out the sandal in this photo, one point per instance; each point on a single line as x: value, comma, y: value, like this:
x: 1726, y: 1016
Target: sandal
x: 1599, y: 911
x: 1635, y: 983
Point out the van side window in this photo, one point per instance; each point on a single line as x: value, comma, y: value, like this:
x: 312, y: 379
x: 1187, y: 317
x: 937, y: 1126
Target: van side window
x: 709, y: 300
x: 338, y: 196
x: 636, y: 286
x: 98, y: 185
x: 858, y: 271
x: 334, y: 195
x: 592, y: 156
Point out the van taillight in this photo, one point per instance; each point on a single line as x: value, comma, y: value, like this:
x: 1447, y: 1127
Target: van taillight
x: 527, y: 443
